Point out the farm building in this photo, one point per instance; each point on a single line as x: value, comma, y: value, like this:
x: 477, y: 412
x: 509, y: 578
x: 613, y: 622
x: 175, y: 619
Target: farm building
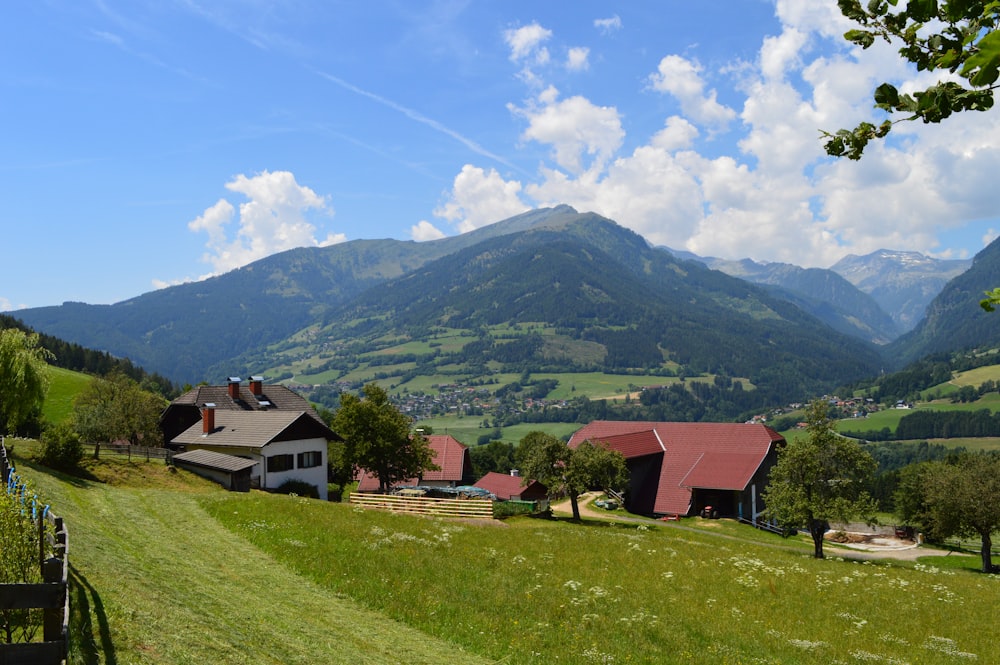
x: 283, y: 445
x: 449, y: 453
x: 680, y: 468
x: 255, y: 395
x: 511, y: 487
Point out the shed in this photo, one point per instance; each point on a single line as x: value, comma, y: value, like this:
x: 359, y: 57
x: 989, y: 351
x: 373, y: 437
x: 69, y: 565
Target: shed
x: 230, y: 471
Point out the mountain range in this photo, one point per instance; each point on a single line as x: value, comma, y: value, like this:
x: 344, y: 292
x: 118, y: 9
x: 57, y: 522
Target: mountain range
x: 597, y: 295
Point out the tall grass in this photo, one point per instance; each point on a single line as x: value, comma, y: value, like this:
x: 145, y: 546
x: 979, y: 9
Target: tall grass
x: 536, y: 591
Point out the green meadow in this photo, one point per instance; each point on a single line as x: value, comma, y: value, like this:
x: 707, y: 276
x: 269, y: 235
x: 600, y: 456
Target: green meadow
x: 167, y: 568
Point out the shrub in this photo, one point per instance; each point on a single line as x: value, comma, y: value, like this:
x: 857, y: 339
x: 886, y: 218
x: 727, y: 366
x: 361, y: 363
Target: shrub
x: 61, y: 447
x: 299, y: 488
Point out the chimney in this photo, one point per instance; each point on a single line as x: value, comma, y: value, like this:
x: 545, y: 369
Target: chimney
x: 515, y: 473
x: 257, y: 385
x: 234, y: 387
x: 208, y: 418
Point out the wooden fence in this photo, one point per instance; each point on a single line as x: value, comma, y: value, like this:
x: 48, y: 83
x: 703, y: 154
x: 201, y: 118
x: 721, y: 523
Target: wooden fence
x: 132, y: 452
x: 51, y: 595
x: 469, y: 508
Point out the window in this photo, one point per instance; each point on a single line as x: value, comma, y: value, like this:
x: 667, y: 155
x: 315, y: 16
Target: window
x: 280, y: 463
x: 310, y: 459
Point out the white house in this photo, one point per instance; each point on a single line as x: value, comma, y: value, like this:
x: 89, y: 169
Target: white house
x: 285, y: 445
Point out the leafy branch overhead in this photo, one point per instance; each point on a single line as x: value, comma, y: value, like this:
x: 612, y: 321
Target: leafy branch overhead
x: 957, y: 36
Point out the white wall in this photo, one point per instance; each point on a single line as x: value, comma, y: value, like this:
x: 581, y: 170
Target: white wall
x: 314, y: 476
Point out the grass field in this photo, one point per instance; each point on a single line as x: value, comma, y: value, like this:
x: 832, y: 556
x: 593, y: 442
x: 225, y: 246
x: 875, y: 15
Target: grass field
x: 64, y: 386
x: 168, y: 569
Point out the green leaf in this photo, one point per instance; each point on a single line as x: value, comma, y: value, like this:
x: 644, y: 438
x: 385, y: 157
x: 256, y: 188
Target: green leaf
x: 982, y: 68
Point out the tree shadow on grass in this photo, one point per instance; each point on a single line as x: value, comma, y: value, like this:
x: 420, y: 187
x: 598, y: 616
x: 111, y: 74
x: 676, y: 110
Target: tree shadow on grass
x: 86, y: 606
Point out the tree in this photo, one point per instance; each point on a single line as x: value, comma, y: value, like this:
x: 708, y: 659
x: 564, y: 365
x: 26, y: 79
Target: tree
x: 378, y: 438
x: 820, y: 478
x: 23, y: 378
x: 954, y: 36
x: 115, y: 408
x: 954, y: 499
x: 563, y: 470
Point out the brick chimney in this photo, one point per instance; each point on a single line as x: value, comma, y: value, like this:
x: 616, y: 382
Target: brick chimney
x: 208, y: 418
x: 257, y: 385
x: 234, y: 387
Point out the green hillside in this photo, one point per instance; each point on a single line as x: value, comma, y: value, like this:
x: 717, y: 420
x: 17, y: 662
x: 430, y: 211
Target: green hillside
x: 167, y: 570
x: 64, y: 386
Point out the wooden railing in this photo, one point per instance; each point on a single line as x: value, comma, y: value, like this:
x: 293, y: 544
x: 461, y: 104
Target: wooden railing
x: 51, y: 595
x: 469, y: 508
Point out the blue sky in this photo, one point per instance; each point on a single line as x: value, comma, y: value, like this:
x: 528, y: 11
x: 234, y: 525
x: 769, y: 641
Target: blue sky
x: 152, y: 142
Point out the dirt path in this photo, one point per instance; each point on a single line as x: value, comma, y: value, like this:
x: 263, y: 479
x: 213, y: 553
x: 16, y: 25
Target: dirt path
x: 876, y: 544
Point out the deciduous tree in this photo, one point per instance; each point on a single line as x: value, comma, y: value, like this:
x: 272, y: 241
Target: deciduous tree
x: 961, y: 498
x: 568, y: 471
x: 957, y: 38
x: 820, y: 478
x: 378, y: 438
x: 115, y: 408
x: 23, y: 378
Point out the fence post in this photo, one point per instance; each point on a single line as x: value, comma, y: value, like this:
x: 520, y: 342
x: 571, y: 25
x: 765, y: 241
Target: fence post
x: 52, y: 618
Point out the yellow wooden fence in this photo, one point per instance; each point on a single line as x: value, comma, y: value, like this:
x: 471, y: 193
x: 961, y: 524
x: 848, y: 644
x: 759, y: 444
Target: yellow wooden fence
x: 470, y: 508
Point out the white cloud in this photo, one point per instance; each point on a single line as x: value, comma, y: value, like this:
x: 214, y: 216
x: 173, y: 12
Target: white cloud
x: 424, y: 230
x: 5, y: 305
x: 574, y: 127
x: 272, y: 219
x: 526, y: 43
x: 681, y: 78
x: 576, y: 60
x: 479, y: 198
x: 990, y: 235
x: 608, y: 25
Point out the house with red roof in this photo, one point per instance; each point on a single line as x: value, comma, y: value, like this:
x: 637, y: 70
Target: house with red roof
x: 512, y: 487
x: 449, y: 453
x: 680, y: 468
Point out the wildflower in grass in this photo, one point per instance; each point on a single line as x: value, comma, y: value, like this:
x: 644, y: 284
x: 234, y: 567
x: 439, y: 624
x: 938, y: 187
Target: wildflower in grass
x: 876, y: 658
x: 572, y: 585
x: 517, y: 559
x: 806, y: 644
x: 667, y: 575
x: 947, y: 646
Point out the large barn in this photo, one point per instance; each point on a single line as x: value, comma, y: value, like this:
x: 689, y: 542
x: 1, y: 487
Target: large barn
x: 680, y: 468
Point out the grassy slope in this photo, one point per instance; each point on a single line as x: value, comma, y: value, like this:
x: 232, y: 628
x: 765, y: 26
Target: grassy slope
x: 64, y: 386
x: 156, y: 580
x: 162, y: 581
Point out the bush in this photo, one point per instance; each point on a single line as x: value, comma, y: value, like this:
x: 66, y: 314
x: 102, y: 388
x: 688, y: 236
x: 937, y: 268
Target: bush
x: 61, y: 447
x: 298, y: 488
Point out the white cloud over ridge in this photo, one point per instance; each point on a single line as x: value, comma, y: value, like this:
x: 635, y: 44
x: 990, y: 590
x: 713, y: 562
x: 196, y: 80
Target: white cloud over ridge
x: 274, y: 218
x: 780, y: 198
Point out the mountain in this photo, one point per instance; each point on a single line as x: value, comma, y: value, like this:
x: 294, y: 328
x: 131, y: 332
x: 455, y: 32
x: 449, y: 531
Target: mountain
x: 182, y: 330
x: 954, y: 320
x: 590, y: 296
x: 823, y: 293
x: 902, y: 283
x: 599, y: 296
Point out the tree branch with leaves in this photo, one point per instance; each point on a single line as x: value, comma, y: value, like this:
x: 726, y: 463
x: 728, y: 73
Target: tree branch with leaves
x: 957, y: 37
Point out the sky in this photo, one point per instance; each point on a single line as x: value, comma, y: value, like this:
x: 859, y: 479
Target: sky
x: 148, y: 143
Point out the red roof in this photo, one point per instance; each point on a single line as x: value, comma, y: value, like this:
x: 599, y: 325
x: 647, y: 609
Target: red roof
x: 449, y: 453
x: 505, y: 486
x: 702, y: 455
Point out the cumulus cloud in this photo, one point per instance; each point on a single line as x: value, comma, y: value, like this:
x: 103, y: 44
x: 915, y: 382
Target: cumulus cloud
x: 424, y: 230
x: 526, y: 43
x: 577, y: 59
x: 681, y: 78
x: 608, y: 25
x: 574, y: 127
x: 5, y: 305
x: 480, y: 197
x: 274, y: 217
